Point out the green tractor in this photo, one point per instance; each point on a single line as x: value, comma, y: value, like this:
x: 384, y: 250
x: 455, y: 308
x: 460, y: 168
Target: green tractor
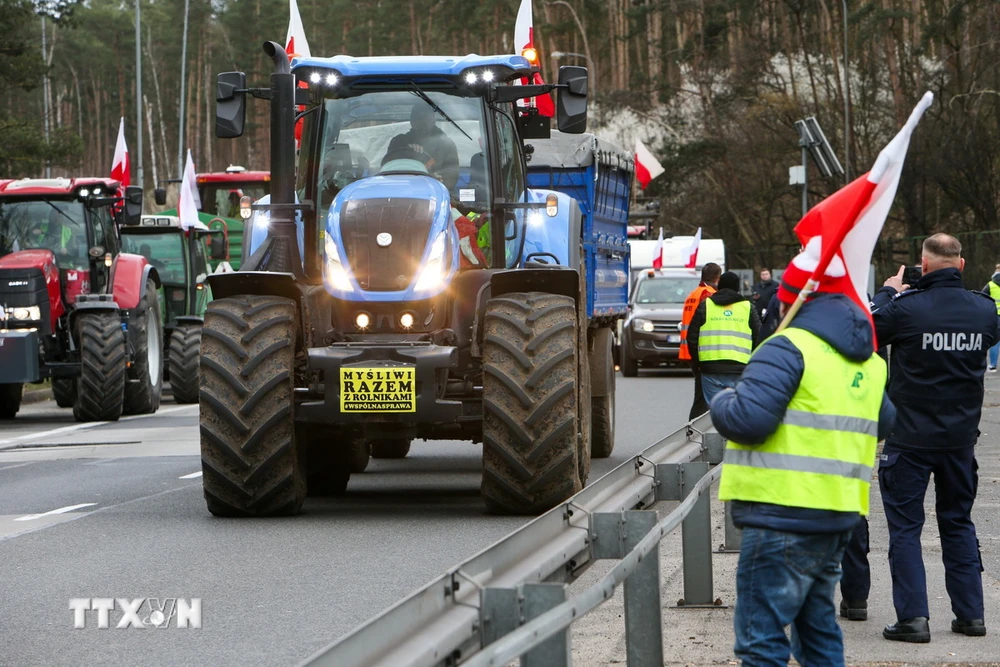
x: 181, y: 258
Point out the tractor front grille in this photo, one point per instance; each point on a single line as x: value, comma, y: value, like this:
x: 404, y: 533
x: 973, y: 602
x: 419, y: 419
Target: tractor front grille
x: 385, y: 268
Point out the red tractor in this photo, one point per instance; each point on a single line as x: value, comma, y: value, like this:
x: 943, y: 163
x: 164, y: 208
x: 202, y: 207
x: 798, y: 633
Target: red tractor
x: 73, y: 307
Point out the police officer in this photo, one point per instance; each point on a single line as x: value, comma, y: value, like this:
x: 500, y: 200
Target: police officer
x: 709, y: 281
x: 939, y: 333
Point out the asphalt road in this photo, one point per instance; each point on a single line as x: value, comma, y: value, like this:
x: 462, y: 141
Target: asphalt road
x: 272, y: 591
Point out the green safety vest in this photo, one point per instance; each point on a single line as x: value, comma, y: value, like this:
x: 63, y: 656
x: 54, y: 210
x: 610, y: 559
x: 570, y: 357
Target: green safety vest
x: 726, y: 334
x: 995, y: 293
x: 822, y: 454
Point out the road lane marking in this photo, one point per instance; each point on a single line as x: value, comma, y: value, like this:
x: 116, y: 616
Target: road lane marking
x: 86, y: 425
x: 17, y: 465
x: 191, y: 476
x: 61, y: 510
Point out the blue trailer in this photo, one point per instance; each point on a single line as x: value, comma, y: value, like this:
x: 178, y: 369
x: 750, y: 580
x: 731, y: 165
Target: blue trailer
x: 411, y: 278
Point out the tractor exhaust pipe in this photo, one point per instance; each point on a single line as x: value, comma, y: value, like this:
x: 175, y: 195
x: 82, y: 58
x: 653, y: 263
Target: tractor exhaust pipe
x: 284, y: 256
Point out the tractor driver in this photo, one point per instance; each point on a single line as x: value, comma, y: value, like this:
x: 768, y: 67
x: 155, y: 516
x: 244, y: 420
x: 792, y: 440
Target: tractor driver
x: 52, y: 234
x: 427, y: 143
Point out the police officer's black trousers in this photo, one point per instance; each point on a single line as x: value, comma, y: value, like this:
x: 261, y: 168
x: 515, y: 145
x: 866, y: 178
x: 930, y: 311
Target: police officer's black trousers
x: 903, y: 477
x: 700, y: 406
x: 856, y: 581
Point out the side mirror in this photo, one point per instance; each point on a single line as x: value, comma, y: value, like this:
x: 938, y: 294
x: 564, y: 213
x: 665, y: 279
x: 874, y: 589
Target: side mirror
x: 571, y: 102
x: 160, y: 196
x: 132, y: 210
x: 218, y: 250
x: 231, y: 105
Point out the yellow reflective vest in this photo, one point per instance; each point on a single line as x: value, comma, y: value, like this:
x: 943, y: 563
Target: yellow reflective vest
x: 995, y: 293
x: 726, y: 333
x: 822, y: 454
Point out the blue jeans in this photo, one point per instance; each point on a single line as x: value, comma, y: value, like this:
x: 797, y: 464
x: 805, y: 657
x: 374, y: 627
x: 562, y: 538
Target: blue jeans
x: 712, y: 384
x: 788, y: 579
x: 994, y: 353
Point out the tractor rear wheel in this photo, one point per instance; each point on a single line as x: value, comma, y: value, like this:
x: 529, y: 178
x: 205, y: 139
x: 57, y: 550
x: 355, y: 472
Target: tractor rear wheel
x: 530, y: 402
x: 10, y: 399
x: 64, y: 391
x: 182, y: 362
x: 253, y: 462
x: 100, y: 393
x: 395, y: 448
x: 142, y: 395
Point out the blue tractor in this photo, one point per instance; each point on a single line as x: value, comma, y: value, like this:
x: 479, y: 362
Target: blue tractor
x: 404, y: 280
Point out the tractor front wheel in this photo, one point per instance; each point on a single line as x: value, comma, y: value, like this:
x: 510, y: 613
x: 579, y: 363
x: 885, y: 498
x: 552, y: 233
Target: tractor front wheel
x: 10, y: 399
x: 100, y: 394
x: 182, y: 362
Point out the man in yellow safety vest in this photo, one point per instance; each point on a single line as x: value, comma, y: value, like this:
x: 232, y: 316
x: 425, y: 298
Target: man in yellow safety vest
x: 721, y: 336
x: 802, y: 426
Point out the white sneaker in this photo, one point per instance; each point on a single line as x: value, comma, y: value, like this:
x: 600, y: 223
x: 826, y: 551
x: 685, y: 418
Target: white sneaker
x: 991, y: 369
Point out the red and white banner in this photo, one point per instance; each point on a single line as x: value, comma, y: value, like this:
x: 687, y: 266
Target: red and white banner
x: 647, y: 167
x: 850, y: 220
x: 692, y: 251
x: 524, y: 45
x: 296, y: 43
x: 658, y: 252
x: 120, y: 167
x: 190, y: 200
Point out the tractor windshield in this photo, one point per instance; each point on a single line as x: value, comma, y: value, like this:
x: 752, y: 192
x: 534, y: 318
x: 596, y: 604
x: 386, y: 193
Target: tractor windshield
x: 223, y: 199
x: 164, y: 251
x: 55, y: 225
x: 398, y: 131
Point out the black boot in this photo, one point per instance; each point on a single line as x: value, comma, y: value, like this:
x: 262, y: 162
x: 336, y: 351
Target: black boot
x: 973, y: 628
x: 914, y: 630
x: 854, y: 610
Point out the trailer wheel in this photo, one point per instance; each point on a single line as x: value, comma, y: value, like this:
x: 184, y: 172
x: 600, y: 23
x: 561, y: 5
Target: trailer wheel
x: 101, y: 390
x: 361, y: 454
x: 251, y: 457
x: 329, y: 467
x: 10, y: 399
x: 182, y: 362
x: 602, y: 408
x: 396, y: 448
x: 142, y: 395
x: 64, y: 391
x: 630, y: 366
x: 530, y: 402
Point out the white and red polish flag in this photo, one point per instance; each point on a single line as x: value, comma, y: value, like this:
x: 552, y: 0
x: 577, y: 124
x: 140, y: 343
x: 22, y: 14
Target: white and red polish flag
x: 296, y: 43
x: 850, y: 220
x: 658, y: 252
x: 692, y: 251
x: 524, y: 45
x: 120, y: 167
x: 189, y: 200
x: 647, y: 167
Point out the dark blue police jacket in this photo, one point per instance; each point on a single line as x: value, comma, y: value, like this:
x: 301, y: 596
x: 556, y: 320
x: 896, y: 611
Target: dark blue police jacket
x: 939, y: 333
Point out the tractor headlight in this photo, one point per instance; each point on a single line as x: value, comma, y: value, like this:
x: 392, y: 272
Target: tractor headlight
x: 435, y: 271
x: 25, y: 314
x: 335, y: 270
x: 640, y: 324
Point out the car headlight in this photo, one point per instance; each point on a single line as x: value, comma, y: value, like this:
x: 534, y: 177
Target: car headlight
x: 335, y: 270
x: 640, y: 324
x: 25, y: 314
x: 435, y: 271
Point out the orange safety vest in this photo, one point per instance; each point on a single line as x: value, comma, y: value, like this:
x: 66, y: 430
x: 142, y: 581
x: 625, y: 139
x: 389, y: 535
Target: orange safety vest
x: 691, y: 303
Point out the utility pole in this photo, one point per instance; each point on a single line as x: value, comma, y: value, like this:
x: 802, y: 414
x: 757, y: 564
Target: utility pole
x: 847, y: 104
x: 138, y: 93
x: 180, y: 125
x: 45, y: 96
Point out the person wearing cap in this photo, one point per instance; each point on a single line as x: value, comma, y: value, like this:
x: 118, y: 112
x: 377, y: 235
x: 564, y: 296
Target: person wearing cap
x: 721, y: 336
x: 427, y: 143
x: 802, y: 426
x: 939, y: 333
x: 709, y: 281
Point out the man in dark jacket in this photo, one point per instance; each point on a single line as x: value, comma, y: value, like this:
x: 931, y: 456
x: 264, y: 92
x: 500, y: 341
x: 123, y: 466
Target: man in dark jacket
x: 428, y: 143
x: 762, y: 291
x: 939, y: 333
x: 724, y: 366
x: 802, y: 426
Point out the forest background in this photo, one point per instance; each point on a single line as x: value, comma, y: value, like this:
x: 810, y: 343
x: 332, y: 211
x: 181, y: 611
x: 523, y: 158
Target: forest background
x: 713, y: 87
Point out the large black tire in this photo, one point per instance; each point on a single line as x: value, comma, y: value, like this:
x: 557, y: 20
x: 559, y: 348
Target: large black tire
x: 361, y: 455
x: 182, y: 362
x: 252, y: 461
x: 328, y: 460
x: 10, y: 399
x: 64, y: 391
x: 396, y: 448
x: 630, y: 367
x: 100, y: 392
x: 142, y: 394
x: 602, y: 408
x: 530, y: 402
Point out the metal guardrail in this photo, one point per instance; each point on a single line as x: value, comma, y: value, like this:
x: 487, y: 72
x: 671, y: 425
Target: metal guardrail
x: 509, y: 600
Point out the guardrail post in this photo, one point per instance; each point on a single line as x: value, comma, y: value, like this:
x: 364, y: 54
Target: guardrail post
x: 499, y: 613
x: 553, y: 652
x: 734, y: 535
x: 715, y: 448
x: 643, y: 622
x: 696, y: 537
